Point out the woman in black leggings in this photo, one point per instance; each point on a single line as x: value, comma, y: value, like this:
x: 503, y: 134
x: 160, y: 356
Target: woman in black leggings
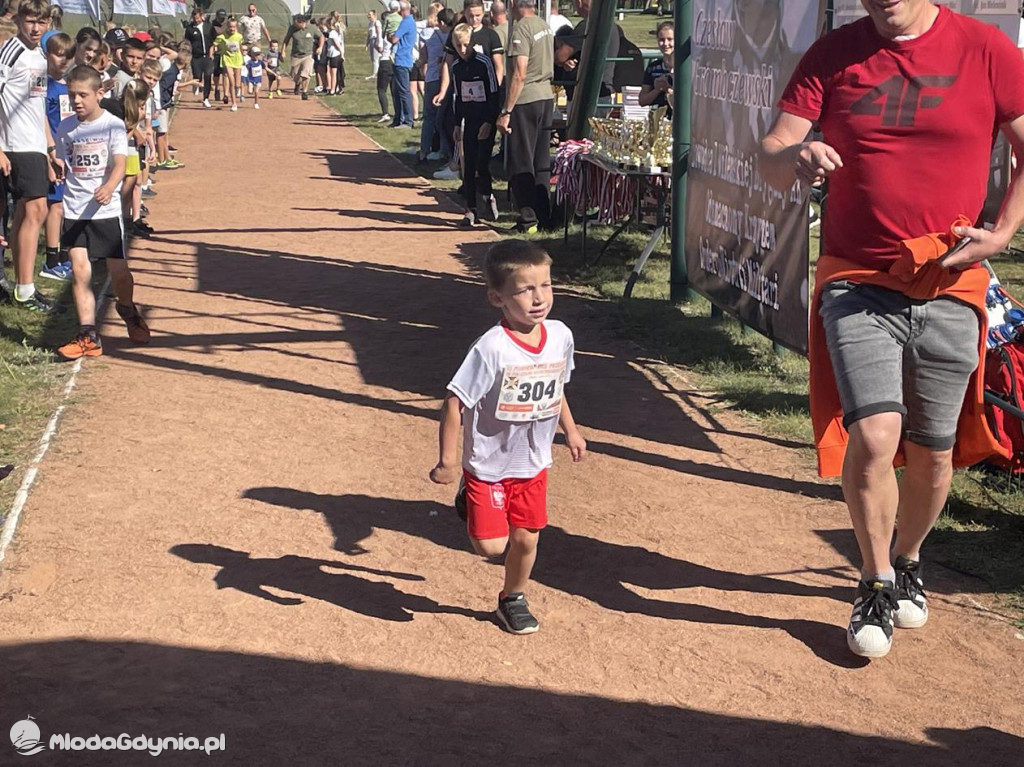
x: 384, y: 75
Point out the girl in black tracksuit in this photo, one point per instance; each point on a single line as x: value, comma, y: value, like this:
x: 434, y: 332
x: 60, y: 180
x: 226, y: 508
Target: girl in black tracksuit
x: 476, y: 103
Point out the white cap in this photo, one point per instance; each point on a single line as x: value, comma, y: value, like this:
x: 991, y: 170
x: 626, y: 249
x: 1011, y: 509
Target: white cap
x: 393, y: 5
x: 254, y: 49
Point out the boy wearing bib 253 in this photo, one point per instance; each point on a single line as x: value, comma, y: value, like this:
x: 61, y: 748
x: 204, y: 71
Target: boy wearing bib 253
x: 509, y: 393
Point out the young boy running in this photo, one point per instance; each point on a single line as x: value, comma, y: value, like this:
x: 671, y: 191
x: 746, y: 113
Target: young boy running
x: 273, y: 70
x: 92, y: 147
x: 254, y: 75
x: 509, y: 396
x: 25, y: 145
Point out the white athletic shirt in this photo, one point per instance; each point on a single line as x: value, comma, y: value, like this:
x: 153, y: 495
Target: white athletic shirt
x: 87, y: 148
x: 22, y: 98
x: 513, y: 397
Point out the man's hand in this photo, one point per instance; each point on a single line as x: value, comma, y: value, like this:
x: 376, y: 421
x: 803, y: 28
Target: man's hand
x: 103, y: 195
x: 816, y: 161
x: 5, y: 164
x: 51, y: 170
x: 457, y: 133
x: 662, y: 84
x: 436, y: 101
x: 576, y: 444
x: 502, y: 124
x: 485, y: 132
x: 984, y: 244
x: 570, y: 65
x: 444, y: 475
x: 58, y: 167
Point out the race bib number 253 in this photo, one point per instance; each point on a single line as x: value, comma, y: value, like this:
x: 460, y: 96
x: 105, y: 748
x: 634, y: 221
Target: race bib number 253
x: 531, y: 392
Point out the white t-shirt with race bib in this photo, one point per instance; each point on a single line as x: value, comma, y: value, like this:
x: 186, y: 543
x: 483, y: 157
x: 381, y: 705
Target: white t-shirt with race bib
x: 87, y: 148
x: 22, y: 98
x: 513, y: 397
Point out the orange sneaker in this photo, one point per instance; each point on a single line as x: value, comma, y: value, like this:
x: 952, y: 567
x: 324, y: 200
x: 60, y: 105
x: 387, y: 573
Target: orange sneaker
x: 84, y: 345
x: 138, y: 331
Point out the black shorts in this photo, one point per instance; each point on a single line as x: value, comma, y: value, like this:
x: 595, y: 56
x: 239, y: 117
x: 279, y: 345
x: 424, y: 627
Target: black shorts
x: 101, y: 237
x: 29, y: 177
x: 416, y: 74
x: 143, y: 154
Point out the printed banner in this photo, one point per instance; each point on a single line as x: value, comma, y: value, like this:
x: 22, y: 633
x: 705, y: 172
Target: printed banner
x: 90, y: 8
x: 169, y: 8
x: 746, y: 242
x: 131, y: 7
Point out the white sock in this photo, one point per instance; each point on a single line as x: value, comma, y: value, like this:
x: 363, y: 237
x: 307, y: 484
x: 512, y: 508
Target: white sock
x: 889, y: 575
x: 25, y: 292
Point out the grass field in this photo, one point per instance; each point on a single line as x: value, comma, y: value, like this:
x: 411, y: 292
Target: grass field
x: 981, y: 533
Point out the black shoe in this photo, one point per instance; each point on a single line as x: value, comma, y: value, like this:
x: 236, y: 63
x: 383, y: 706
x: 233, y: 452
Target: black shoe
x: 870, y: 632
x: 305, y: 96
x: 140, y: 229
x: 913, y: 611
x: 460, y: 502
x: 41, y: 304
x: 143, y: 210
x: 468, y: 221
x: 216, y: 96
x: 6, y: 293
x: 140, y: 224
x: 514, y: 614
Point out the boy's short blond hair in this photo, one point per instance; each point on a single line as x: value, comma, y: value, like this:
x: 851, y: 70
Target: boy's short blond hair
x: 60, y: 44
x: 462, y: 32
x: 33, y: 8
x: 509, y: 256
x: 152, y: 67
x: 8, y: 29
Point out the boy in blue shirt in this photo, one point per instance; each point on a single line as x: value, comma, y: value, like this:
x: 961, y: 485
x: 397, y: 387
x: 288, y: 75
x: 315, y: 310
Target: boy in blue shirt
x: 59, y: 48
x: 254, y: 78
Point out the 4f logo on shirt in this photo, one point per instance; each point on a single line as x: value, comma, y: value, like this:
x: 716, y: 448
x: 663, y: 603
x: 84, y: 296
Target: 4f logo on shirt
x: 898, y: 98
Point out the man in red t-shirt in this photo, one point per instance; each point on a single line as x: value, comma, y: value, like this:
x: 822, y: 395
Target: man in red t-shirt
x: 908, y: 101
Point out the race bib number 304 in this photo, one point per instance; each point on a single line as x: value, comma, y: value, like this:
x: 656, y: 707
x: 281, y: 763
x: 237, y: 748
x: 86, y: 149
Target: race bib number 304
x: 531, y: 392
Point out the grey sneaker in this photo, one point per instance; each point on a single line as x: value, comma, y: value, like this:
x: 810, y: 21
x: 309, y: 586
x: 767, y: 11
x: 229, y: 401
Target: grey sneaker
x: 514, y: 614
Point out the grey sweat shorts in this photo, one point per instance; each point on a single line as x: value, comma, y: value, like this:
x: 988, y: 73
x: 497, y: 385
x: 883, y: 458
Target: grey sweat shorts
x: 893, y: 354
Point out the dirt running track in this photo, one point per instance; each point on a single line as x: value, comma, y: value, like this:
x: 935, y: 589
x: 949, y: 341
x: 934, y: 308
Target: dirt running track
x: 234, y: 532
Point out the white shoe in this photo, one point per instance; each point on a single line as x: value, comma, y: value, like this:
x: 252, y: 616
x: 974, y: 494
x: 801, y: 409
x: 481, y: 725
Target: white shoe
x: 255, y: 106
x: 411, y: 150
x: 492, y: 206
x: 384, y: 119
x: 869, y: 634
x: 434, y: 156
x: 913, y: 612
x: 446, y: 174
x: 207, y: 104
x: 195, y: 90
x: 234, y: 107
x: 370, y: 77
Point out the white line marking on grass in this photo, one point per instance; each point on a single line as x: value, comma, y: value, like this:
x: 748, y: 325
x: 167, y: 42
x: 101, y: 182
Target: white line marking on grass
x: 21, y: 497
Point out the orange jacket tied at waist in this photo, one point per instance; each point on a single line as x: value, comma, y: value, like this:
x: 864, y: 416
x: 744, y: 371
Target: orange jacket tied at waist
x: 917, y: 275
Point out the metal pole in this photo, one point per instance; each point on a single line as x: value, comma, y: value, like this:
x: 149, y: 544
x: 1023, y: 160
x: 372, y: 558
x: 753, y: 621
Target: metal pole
x: 600, y: 28
x: 679, y: 280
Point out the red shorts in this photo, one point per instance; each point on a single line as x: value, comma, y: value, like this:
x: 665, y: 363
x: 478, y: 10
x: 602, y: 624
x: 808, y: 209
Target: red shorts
x: 493, y: 506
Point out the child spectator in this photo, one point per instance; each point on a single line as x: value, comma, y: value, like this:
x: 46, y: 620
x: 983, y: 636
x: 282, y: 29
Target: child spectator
x: 273, y: 69
x: 25, y: 145
x: 255, y: 76
x: 170, y: 82
x: 130, y: 109
x: 476, y: 104
x: 133, y: 53
x: 92, y: 150
x: 87, y: 45
x: 59, y: 48
x: 229, y: 47
x: 509, y: 396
